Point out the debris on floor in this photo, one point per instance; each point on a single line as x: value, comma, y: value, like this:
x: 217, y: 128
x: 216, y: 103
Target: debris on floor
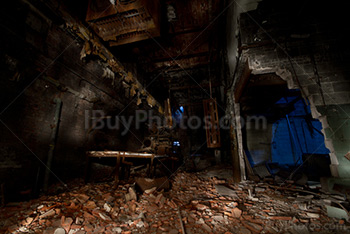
x: 193, y: 204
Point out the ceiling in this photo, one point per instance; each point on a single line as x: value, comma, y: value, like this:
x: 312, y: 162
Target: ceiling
x: 175, y: 44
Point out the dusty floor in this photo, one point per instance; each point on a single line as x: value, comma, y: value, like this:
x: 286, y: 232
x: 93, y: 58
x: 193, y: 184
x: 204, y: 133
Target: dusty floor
x: 196, y: 203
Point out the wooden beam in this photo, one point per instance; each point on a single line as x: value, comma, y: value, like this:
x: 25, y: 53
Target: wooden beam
x: 212, y: 123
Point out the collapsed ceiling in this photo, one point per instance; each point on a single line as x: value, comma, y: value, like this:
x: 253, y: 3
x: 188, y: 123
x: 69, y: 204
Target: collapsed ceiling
x: 173, y: 43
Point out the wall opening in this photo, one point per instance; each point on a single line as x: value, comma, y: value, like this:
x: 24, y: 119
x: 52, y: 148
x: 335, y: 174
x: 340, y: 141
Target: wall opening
x: 279, y: 132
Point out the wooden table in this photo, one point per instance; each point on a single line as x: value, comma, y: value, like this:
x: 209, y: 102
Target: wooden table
x: 120, y: 155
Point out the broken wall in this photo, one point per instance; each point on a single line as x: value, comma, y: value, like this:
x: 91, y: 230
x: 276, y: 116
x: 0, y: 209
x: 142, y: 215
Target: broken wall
x: 306, y: 49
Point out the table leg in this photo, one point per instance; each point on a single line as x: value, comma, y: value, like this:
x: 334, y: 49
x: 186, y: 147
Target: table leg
x: 87, y: 169
x: 150, y: 174
x: 155, y: 163
x: 117, y: 170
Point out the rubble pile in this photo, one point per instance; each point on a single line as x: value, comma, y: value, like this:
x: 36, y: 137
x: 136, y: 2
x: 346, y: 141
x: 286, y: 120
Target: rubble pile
x: 193, y: 204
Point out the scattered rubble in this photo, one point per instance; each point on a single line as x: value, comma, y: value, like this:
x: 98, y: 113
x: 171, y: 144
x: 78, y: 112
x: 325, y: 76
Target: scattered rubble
x: 194, y: 204
x: 147, y: 184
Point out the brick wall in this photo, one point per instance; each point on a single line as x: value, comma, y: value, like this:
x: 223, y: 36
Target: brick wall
x: 30, y: 44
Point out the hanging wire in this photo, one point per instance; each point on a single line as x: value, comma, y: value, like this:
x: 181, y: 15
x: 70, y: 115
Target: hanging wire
x: 210, y: 90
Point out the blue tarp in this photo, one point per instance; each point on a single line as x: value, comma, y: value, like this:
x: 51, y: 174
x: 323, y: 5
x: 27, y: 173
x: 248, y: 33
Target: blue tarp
x: 288, y: 145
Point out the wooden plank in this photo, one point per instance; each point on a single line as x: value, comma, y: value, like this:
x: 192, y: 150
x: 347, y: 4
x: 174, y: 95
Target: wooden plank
x: 212, y: 126
x: 113, y: 154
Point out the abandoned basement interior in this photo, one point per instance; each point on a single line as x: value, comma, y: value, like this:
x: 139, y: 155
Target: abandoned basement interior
x: 174, y: 116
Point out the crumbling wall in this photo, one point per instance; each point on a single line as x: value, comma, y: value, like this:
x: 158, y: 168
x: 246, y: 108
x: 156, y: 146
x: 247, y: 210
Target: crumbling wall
x: 41, y: 61
x: 307, y: 50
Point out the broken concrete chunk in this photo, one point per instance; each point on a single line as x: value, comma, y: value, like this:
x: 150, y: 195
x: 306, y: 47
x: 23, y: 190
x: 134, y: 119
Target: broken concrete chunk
x: 339, y: 197
x: 140, y: 224
x: 259, y: 189
x: 327, y: 201
x: 23, y: 229
x: 66, y: 223
x: 225, y: 191
x: 48, y: 214
x: 313, y: 215
x: 151, y: 190
x: 206, y: 227
x: 200, y: 221
x: 60, y: 231
x: 88, y: 228
x: 74, y: 231
x: 89, y: 217
x: 243, y: 230
x: 82, y: 198
x: 79, y: 221
x: 132, y: 207
x: 146, y: 183
x: 107, y: 207
x: 117, y: 230
x: 201, y: 207
x: 255, y: 228
x: 104, y: 216
x: 131, y: 195
x: 90, y: 205
x: 338, y: 213
x: 158, y: 198
x: 302, y: 206
x: 236, y: 212
x: 79, y: 232
x: 28, y: 221
x: 218, y: 218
